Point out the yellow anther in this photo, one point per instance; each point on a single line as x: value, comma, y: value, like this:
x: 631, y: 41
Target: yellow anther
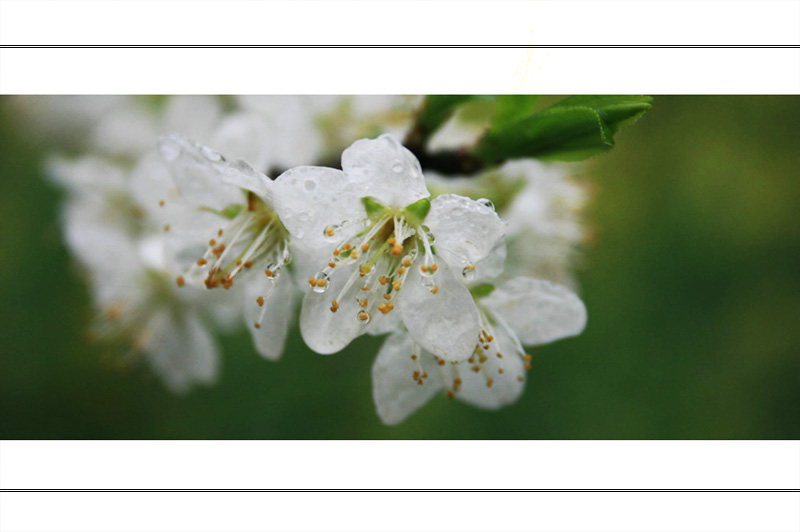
x: 387, y: 297
x: 383, y: 280
x: 435, y: 290
x: 202, y: 262
x: 311, y: 280
x: 364, y: 303
x: 441, y: 362
x: 392, y: 241
x: 238, y: 262
x: 219, y: 233
x: 365, y: 288
x: 434, y: 267
x: 401, y: 271
x: 329, y: 231
x: 424, y: 268
x: 260, y: 301
x: 336, y: 252
x: 166, y: 227
x: 332, y: 264
x: 364, y: 247
x: 270, y: 273
x: 365, y: 269
x: 257, y: 325
x: 212, y: 242
x: 482, y: 358
x: 397, y: 250
x: 520, y: 378
x: 248, y: 264
x: 180, y: 281
x: 347, y: 247
x: 161, y: 203
x: 469, y: 267
x: 489, y: 383
x: 321, y: 282
x: 450, y: 394
x: 363, y: 316
x: 500, y: 370
x: 406, y: 262
x: 354, y: 254
x: 413, y: 357
x: 397, y: 285
x: 499, y: 355
x: 334, y: 306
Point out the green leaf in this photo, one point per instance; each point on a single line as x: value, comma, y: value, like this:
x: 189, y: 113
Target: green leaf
x: 439, y: 107
x: 574, y: 129
x: 618, y: 111
x: 374, y: 209
x: 511, y: 108
x: 417, y: 211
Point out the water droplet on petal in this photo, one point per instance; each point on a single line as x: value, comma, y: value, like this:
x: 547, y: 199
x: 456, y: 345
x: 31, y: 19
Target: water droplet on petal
x: 275, y: 271
x: 468, y: 272
x: 330, y: 232
x: 310, y: 184
x: 212, y: 155
x: 322, y: 282
x: 428, y: 233
x: 486, y: 202
x: 363, y: 316
x: 169, y: 149
x: 397, y: 167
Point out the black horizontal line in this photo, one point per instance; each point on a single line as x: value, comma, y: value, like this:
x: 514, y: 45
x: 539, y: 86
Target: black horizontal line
x: 400, y: 491
x: 411, y: 46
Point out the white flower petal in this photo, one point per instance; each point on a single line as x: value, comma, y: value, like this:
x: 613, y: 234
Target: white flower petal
x: 86, y: 174
x: 390, y: 173
x: 203, y: 176
x: 181, y: 352
x: 506, y: 387
x: 465, y: 229
x: 397, y: 395
x: 538, y: 311
x: 195, y: 116
x: 327, y: 332
x: 446, y: 323
x: 310, y: 198
x: 278, y: 311
x: 244, y: 136
x: 492, y: 266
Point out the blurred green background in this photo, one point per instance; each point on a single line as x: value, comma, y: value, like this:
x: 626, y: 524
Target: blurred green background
x: 692, y: 283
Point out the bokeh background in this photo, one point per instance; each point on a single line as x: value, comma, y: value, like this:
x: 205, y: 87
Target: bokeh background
x: 691, y: 280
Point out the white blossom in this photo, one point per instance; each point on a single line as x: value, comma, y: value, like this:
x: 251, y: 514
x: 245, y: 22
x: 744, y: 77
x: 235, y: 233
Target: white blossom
x: 370, y: 239
x: 232, y: 231
x: 520, y: 312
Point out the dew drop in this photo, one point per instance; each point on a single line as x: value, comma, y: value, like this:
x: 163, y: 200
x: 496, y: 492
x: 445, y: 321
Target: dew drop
x: 323, y: 281
x: 468, y: 273
x: 364, y: 317
x: 397, y: 167
x: 274, y: 269
x: 212, y: 155
x: 330, y: 232
x: 428, y: 233
x: 486, y: 202
x: 169, y: 149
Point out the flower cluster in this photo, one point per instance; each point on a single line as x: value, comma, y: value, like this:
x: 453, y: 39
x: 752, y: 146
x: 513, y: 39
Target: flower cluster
x: 180, y: 240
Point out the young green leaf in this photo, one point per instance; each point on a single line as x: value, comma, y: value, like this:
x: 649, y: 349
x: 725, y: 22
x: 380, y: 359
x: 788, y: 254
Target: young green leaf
x: 571, y: 130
